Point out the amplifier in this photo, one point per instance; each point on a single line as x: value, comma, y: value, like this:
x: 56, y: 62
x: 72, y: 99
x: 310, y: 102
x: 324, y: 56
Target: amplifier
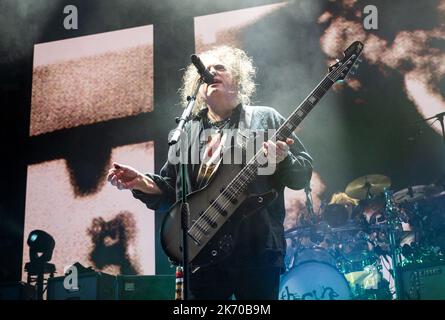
x: 91, y: 286
x: 423, y: 282
x: 159, y: 287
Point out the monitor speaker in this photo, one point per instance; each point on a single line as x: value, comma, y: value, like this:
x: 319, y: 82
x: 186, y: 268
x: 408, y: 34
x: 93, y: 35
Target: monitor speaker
x: 157, y: 287
x: 423, y: 282
x: 91, y: 286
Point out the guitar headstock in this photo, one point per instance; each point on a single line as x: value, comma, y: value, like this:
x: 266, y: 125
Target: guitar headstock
x: 341, y: 69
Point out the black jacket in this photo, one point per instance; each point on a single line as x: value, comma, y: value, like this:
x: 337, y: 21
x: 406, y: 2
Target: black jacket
x: 261, y: 235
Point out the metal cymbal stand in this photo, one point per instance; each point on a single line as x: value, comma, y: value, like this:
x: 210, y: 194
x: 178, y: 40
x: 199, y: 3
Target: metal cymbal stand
x: 309, y: 202
x: 368, y: 186
x: 393, y: 221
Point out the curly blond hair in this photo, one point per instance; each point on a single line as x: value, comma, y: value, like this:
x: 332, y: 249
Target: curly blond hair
x: 236, y: 62
x: 343, y: 198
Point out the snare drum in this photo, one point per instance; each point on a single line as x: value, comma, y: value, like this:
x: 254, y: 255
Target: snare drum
x: 314, y: 277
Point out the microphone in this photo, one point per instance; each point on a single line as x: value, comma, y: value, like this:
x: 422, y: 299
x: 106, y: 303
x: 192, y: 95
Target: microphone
x: 205, y: 74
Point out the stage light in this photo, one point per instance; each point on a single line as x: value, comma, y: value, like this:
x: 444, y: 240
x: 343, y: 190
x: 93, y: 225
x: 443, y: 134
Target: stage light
x: 41, y: 246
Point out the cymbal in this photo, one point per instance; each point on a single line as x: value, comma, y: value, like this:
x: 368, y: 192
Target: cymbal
x: 368, y: 185
x: 416, y: 193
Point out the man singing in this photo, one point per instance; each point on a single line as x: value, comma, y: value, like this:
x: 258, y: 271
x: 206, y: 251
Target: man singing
x: 252, y: 271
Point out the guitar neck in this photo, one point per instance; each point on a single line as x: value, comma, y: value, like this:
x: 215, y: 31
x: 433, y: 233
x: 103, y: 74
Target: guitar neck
x: 248, y: 173
x: 294, y: 120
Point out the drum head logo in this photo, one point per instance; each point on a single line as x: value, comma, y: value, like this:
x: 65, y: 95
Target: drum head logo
x: 326, y: 293
x: 313, y: 280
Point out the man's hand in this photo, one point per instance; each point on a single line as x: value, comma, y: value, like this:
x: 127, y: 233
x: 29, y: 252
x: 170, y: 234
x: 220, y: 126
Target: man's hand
x: 276, y: 152
x: 126, y: 177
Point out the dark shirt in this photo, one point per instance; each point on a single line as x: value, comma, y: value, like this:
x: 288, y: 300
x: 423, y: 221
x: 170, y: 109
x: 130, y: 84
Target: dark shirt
x: 261, y: 235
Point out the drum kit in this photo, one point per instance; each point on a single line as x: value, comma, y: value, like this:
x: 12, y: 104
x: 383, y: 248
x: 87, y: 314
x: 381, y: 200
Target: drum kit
x: 354, y: 252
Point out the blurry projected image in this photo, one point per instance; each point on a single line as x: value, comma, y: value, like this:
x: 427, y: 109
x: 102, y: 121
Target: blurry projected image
x: 295, y: 203
x: 105, y: 229
x: 90, y: 79
x: 293, y: 42
x: 415, y: 54
x: 227, y: 29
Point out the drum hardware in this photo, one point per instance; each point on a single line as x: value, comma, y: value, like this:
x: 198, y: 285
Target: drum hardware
x: 393, y: 221
x: 356, y: 254
x: 297, y: 232
x: 344, y: 229
x: 406, y: 228
x: 368, y: 186
x: 309, y: 202
x: 417, y: 254
x: 423, y: 207
x: 417, y: 193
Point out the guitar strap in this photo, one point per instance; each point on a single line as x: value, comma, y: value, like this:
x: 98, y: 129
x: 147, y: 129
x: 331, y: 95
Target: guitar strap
x: 193, y: 135
x: 244, y: 126
x: 242, y: 137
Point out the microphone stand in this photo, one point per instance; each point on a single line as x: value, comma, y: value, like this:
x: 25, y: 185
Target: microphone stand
x: 185, y: 216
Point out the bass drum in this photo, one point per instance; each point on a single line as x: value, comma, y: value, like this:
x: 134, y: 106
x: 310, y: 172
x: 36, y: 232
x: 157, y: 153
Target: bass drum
x: 314, y: 277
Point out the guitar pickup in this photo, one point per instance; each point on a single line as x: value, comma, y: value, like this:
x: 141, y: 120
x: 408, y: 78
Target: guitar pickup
x: 209, y: 221
x: 230, y: 196
x: 219, y: 209
x: 194, y: 239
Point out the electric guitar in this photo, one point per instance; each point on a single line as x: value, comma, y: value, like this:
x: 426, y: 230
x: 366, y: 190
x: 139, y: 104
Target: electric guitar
x: 212, y: 224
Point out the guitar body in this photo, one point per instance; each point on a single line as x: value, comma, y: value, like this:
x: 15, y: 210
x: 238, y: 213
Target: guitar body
x: 218, y: 243
x: 217, y: 210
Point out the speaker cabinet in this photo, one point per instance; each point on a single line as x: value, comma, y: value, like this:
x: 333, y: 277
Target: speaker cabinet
x: 159, y: 287
x: 91, y: 286
x: 423, y: 282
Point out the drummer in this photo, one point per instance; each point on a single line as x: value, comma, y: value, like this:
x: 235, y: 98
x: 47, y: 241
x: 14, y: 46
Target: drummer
x: 341, y: 209
x: 372, y: 210
x: 337, y: 214
x: 348, y: 202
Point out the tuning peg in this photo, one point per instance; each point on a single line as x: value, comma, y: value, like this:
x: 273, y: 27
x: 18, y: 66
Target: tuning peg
x: 359, y: 60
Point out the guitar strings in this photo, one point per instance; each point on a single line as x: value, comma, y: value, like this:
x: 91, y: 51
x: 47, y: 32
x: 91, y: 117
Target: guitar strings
x: 214, y: 217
